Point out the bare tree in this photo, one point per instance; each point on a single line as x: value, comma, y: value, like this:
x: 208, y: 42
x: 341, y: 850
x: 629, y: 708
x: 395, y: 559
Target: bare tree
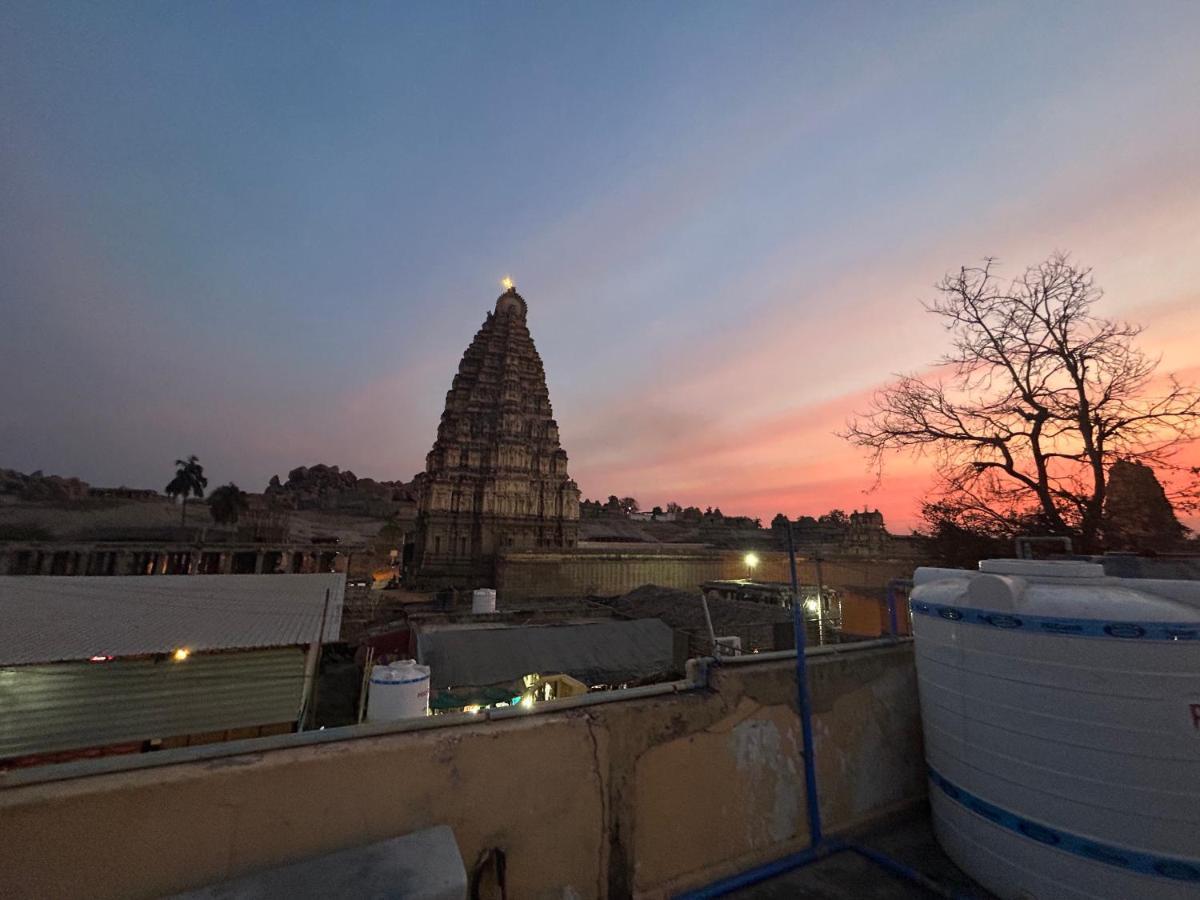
x: 1036, y: 399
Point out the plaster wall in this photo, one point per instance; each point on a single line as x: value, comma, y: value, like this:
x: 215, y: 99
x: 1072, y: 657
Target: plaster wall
x: 638, y: 797
x: 591, y: 573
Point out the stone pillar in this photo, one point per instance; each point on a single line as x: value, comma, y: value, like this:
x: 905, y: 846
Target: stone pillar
x: 258, y: 563
x: 226, y: 563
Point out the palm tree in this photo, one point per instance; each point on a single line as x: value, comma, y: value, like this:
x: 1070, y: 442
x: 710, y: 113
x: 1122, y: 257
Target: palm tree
x: 227, y: 503
x: 189, y: 479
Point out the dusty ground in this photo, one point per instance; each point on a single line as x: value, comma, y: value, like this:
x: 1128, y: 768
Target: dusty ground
x: 85, y: 518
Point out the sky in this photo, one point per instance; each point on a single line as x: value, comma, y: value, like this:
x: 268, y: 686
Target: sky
x: 264, y: 233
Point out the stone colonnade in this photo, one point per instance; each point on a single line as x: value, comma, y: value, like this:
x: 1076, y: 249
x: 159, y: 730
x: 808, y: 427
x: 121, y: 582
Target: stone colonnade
x: 168, y: 559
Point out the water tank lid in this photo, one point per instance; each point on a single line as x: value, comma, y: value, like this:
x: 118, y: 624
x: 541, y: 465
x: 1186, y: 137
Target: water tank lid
x: 1042, y: 568
x: 402, y: 671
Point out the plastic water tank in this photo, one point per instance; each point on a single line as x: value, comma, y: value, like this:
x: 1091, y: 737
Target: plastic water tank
x: 398, y: 691
x: 483, y: 601
x: 1061, y: 711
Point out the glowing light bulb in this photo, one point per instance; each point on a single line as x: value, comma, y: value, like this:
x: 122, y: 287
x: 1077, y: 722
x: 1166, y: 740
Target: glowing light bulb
x: 181, y: 654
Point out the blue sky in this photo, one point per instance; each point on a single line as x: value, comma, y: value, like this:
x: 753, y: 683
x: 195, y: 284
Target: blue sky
x: 264, y: 233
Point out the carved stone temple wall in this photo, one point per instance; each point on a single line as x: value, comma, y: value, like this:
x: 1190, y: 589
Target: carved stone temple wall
x: 496, y: 479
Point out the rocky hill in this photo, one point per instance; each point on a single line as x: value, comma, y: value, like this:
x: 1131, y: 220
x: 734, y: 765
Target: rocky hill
x: 36, y: 487
x: 323, y: 487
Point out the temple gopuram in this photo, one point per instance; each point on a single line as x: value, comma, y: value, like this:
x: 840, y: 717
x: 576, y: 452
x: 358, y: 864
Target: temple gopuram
x: 496, y: 479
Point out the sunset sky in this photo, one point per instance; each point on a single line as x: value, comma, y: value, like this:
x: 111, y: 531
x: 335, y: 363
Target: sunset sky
x: 264, y: 234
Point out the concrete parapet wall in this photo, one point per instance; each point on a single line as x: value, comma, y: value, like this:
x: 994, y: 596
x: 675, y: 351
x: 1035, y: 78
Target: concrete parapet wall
x: 641, y: 796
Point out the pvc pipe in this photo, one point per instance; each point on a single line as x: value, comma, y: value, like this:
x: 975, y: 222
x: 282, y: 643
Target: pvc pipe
x: 804, y: 708
x: 712, y: 635
x: 763, y: 872
x: 893, y: 623
x: 824, y: 650
x: 802, y: 699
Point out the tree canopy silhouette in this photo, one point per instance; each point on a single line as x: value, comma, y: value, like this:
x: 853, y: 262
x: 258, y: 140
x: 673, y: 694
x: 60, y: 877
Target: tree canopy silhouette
x: 227, y: 503
x: 189, y: 480
x: 1036, y: 399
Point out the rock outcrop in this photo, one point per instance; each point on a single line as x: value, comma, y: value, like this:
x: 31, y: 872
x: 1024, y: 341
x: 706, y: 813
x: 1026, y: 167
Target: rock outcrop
x: 1138, y: 517
x: 329, y: 488
x: 38, y: 487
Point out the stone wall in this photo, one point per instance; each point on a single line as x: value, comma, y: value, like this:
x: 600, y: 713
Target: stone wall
x: 130, y: 558
x: 594, y: 572
x: 642, y: 796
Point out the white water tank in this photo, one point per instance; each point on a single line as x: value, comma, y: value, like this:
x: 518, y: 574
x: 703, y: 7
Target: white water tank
x: 399, y: 690
x: 1061, y: 711
x: 483, y: 601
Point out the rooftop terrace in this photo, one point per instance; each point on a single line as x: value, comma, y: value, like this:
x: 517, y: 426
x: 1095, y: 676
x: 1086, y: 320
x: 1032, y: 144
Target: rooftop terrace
x: 645, y: 792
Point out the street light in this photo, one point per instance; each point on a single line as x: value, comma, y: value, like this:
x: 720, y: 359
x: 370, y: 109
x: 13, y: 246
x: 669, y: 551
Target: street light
x: 751, y: 563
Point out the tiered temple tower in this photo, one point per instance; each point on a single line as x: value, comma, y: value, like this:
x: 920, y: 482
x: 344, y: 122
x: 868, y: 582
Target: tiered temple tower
x: 496, y: 478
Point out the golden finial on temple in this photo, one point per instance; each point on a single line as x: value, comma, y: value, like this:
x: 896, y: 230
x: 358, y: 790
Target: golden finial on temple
x: 507, y: 283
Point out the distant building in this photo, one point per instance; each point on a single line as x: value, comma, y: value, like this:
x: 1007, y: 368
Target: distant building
x: 100, y: 666
x: 866, y: 534
x: 496, y: 478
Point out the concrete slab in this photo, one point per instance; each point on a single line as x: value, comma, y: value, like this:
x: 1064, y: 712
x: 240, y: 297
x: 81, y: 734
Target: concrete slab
x: 424, y: 865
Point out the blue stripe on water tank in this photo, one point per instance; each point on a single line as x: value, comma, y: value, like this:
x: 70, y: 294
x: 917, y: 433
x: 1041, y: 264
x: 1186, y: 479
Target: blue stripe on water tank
x: 1092, y: 628
x: 1120, y: 857
x: 404, y: 681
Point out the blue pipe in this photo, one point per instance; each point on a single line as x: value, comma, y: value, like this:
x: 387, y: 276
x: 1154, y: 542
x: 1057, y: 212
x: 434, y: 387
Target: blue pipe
x: 893, y: 621
x: 763, y: 872
x: 819, y: 848
x: 803, y: 703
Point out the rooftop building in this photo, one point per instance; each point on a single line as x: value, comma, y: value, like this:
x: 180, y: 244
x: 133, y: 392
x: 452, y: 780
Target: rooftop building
x: 92, y: 666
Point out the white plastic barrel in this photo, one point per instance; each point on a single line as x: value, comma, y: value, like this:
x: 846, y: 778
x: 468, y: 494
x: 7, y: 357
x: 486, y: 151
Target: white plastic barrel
x: 1061, y: 711
x: 483, y: 601
x: 398, y: 691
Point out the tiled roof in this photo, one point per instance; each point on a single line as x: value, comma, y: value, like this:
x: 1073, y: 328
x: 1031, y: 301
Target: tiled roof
x: 48, y: 618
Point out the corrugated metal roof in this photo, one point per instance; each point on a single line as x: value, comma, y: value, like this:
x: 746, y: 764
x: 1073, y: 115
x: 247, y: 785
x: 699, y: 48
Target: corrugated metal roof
x: 73, y: 705
x: 50, y: 619
x: 594, y: 652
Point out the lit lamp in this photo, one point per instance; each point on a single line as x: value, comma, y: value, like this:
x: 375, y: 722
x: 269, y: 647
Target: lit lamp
x: 751, y: 563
